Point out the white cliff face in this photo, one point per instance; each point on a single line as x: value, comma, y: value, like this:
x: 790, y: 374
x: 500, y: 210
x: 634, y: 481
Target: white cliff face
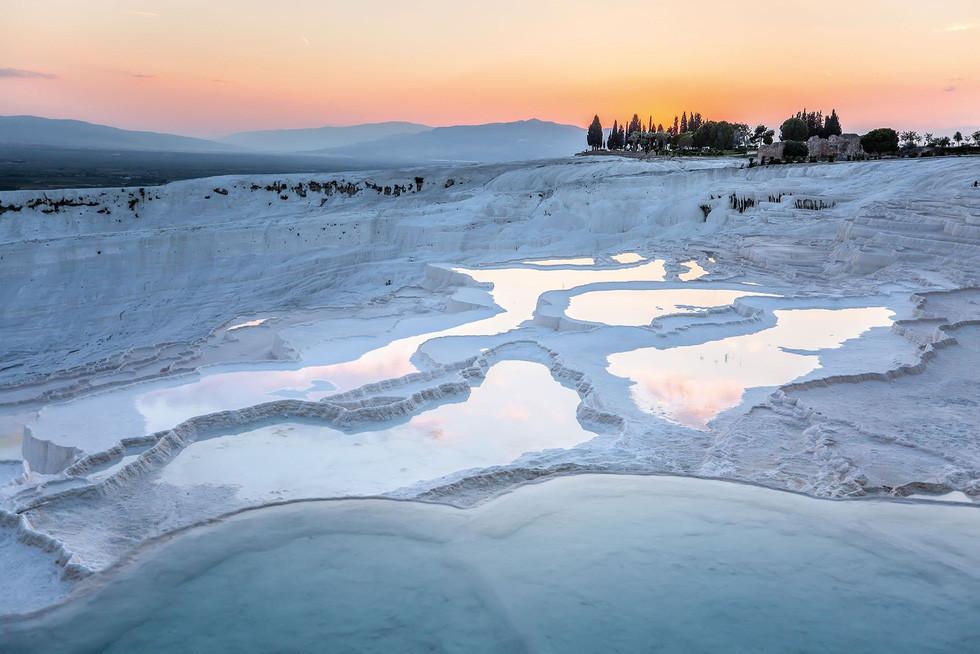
x: 171, y: 354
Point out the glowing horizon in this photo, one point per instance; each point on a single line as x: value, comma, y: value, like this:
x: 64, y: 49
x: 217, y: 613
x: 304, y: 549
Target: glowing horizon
x: 223, y: 67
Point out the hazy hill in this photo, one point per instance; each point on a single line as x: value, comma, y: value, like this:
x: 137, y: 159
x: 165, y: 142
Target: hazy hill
x: 46, y: 153
x: 319, y: 138
x: 517, y: 141
x: 32, y: 130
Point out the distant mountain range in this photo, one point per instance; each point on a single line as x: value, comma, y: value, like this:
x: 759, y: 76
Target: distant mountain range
x: 31, y: 130
x: 493, y: 142
x: 381, y: 142
x: 319, y: 138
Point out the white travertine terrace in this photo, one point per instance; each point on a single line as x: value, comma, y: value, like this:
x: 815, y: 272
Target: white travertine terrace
x: 831, y: 352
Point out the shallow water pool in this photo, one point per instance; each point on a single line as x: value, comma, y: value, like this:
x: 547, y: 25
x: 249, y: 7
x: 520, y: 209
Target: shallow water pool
x: 692, y: 384
x: 579, y: 564
x: 518, y: 408
x: 642, y: 306
x: 146, y: 408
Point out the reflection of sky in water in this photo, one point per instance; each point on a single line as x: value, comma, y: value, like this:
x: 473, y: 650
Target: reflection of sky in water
x: 693, y: 384
x: 582, y: 261
x: 627, y: 257
x: 640, y: 307
x: 250, y: 323
x: 516, y: 290
x: 519, y: 408
x: 694, y: 270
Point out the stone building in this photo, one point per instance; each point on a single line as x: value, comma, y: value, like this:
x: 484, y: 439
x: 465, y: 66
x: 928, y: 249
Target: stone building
x: 771, y: 151
x: 838, y: 147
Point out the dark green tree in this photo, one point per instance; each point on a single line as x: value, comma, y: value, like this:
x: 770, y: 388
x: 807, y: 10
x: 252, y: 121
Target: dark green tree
x: 958, y: 137
x: 831, y: 126
x: 762, y: 135
x: 682, y: 141
x: 684, y: 122
x: 613, y: 141
x: 795, y: 149
x: 704, y: 135
x: 794, y: 129
x: 909, y: 139
x: 880, y: 141
x: 694, y: 122
x: 647, y: 141
x: 719, y: 135
x: 633, y: 131
x: 594, y: 136
x: 813, y: 120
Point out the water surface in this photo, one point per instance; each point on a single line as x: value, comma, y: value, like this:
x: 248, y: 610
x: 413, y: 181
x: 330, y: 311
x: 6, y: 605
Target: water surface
x: 518, y: 408
x: 694, y: 383
x: 147, y: 408
x: 641, y: 307
x: 581, y: 564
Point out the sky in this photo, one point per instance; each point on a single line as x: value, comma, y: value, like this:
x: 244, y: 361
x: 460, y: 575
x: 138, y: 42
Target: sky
x: 209, y: 68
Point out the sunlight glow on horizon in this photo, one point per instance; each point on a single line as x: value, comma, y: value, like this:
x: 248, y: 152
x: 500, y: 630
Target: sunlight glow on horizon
x: 220, y: 67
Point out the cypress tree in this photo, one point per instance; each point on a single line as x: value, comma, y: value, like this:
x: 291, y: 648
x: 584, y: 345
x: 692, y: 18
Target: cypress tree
x: 594, y: 136
x: 618, y: 136
x: 815, y: 123
x: 832, y: 125
x: 684, y: 122
x: 635, y: 128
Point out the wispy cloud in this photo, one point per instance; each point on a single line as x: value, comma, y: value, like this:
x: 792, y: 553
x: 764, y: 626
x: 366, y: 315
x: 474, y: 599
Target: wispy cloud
x: 28, y: 74
x: 949, y: 89
x: 959, y: 27
x: 140, y: 75
x: 146, y: 14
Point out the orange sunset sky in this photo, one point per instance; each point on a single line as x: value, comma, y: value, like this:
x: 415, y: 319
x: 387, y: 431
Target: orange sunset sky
x: 210, y: 68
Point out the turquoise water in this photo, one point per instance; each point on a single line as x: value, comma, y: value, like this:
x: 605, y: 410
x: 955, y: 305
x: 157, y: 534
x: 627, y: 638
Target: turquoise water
x: 580, y: 564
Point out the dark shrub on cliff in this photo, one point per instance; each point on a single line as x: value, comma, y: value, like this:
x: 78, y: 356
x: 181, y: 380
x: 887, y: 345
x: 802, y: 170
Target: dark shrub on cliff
x: 794, y: 129
x: 880, y: 141
x: 795, y: 149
